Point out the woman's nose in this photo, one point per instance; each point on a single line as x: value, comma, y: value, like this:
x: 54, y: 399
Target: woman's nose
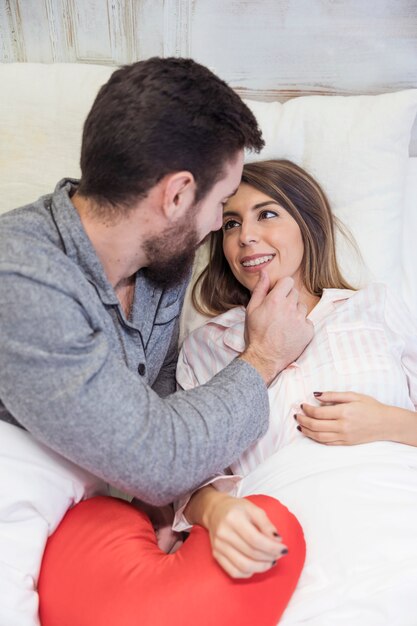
x: 248, y: 234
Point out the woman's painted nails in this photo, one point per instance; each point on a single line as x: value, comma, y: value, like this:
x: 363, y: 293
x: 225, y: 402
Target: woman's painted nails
x: 276, y: 535
x: 274, y: 562
x: 295, y: 416
x: 284, y: 551
x: 299, y: 427
x: 317, y: 394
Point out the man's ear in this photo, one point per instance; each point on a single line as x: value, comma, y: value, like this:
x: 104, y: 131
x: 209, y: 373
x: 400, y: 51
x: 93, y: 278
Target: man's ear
x: 178, y: 194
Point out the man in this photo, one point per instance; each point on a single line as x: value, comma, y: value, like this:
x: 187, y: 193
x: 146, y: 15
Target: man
x: 92, y: 280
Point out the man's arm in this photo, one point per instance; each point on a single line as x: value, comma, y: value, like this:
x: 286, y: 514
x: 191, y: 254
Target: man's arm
x: 61, y: 381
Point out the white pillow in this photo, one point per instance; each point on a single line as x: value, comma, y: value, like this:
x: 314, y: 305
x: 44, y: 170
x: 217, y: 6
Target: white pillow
x: 409, y: 256
x: 357, y: 148
x: 42, y: 112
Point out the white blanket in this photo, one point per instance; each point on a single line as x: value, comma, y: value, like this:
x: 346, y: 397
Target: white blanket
x: 358, y: 509
x: 37, y: 487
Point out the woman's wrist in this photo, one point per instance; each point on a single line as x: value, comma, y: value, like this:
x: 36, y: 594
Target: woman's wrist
x: 212, y: 500
x: 199, y: 509
x: 402, y: 426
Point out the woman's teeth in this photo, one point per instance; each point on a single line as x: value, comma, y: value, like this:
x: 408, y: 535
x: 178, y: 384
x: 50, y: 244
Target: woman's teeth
x: 258, y: 261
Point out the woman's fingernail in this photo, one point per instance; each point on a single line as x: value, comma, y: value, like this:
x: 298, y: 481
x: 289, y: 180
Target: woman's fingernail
x: 276, y: 535
x: 295, y: 416
x: 299, y: 427
x: 274, y: 562
x: 284, y: 551
x: 302, y: 408
x: 317, y: 394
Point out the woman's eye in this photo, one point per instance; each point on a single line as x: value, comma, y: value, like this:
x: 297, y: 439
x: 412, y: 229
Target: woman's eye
x: 230, y: 224
x: 266, y: 215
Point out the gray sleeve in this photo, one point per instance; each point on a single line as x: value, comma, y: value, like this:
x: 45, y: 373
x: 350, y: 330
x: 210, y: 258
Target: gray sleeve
x: 62, y: 382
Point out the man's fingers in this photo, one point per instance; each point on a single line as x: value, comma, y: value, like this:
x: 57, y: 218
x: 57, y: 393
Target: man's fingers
x: 276, y: 331
x: 284, y: 288
x: 303, y: 308
x: 260, y: 291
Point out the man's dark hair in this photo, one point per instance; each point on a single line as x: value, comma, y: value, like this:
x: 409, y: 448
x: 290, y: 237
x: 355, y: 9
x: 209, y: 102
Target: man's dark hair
x: 159, y: 116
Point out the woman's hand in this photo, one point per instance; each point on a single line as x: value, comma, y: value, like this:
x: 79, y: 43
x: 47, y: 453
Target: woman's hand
x: 243, y: 539
x: 346, y: 418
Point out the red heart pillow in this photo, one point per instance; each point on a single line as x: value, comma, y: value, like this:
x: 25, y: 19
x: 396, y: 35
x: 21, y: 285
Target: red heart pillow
x: 103, y: 567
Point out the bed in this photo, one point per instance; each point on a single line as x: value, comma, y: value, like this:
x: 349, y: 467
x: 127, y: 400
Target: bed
x: 357, y: 141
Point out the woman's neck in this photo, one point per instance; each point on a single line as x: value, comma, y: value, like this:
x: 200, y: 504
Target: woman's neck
x: 305, y: 297
x: 310, y: 300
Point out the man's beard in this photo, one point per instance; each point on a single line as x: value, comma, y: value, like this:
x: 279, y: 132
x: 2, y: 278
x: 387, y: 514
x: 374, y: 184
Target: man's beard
x: 171, y: 254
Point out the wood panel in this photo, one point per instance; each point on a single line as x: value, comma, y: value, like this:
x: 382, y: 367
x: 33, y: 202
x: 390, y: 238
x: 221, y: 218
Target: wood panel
x: 308, y: 46
x: 266, y: 49
x: 271, y: 47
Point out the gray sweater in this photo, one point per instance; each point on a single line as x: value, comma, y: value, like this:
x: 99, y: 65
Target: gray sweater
x: 99, y: 388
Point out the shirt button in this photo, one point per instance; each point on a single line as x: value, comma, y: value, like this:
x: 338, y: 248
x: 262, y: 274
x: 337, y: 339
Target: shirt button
x: 141, y: 369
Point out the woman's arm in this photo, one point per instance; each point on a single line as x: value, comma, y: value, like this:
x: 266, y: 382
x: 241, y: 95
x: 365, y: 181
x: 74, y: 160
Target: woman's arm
x: 243, y: 539
x: 349, y: 418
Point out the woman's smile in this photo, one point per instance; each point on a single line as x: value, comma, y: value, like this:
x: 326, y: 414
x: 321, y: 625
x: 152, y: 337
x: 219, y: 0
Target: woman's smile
x: 256, y: 262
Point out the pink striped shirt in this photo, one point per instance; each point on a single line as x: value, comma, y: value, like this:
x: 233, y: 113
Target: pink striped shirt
x: 364, y: 341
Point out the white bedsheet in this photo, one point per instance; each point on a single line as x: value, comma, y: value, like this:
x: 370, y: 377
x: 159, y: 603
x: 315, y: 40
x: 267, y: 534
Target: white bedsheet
x: 358, y: 509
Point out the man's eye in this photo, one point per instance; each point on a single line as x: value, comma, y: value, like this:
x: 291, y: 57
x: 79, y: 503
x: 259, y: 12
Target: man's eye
x: 266, y: 215
x: 230, y: 224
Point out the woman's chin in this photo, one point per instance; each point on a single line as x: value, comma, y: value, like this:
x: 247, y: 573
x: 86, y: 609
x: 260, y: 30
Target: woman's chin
x: 273, y: 282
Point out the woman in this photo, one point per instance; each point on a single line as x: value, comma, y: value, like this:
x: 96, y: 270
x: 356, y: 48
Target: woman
x: 280, y: 223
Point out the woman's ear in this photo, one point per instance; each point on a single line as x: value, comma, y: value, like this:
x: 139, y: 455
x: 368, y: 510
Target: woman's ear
x: 178, y: 195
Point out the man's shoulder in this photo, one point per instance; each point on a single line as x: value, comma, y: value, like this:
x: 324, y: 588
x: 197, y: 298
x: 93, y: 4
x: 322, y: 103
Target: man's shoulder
x: 30, y: 244
x: 27, y: 212
x: 26, y: 228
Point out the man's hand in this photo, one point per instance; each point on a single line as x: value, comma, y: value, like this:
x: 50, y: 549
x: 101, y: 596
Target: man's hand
x: 277, y: 330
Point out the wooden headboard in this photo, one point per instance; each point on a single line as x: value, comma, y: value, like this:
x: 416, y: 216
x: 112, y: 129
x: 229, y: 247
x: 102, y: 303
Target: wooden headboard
x: 266, y: 49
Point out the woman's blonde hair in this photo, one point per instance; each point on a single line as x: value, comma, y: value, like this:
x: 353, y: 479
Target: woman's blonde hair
x: 217, y: 290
